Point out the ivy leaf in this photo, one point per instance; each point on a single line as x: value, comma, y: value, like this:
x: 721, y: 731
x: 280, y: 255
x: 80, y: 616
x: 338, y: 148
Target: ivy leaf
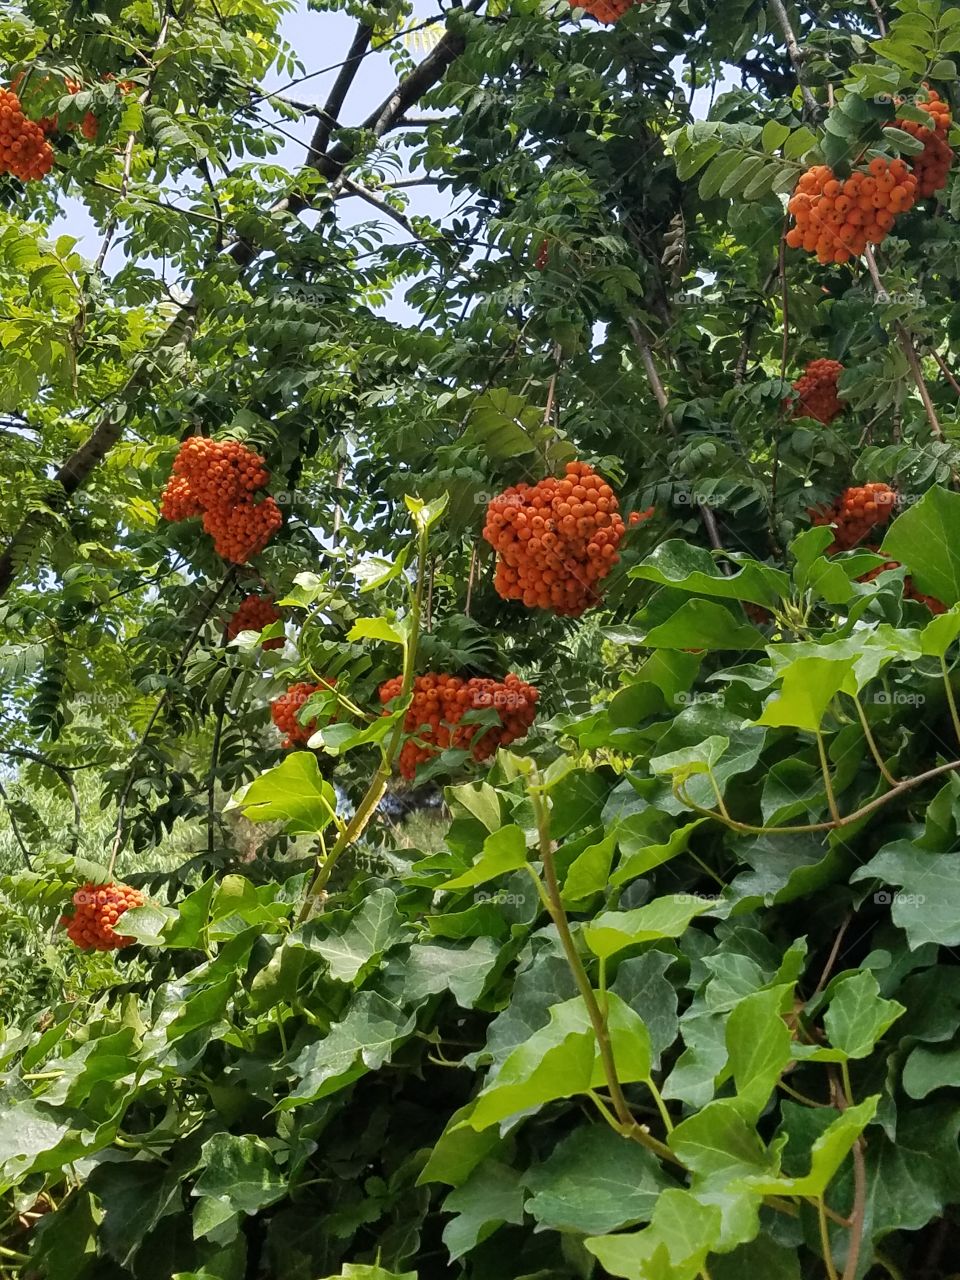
x: 293, y: 793
x: 590, y: 870
x: 595, y: 1181
x: 681, y: 1234
x: 362, y: 1041
x: 491, y: 1196
x: 240, y: 1172
x: 826, y: 1155
x: 636, y: 861
x: 926, y: 538
x: 929, y: 1068
x: 666, y: 917
x: 504, y: 850
x: 562, y: 1059
x: 759, y: 1045
x: 928, y: 908
x: 363, y: 939
x: 857, y: 1016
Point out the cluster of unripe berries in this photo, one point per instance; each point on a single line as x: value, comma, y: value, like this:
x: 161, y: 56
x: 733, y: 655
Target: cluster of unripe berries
x: 555, y: 540
x: 932, y: 165
x: 25, y: 152
x: 285, y: 711
x: 97, y: 908
x: 435, y: 715
x: 910, y: 592
x: 855, y: 513
x: 254, y: 614
x: 817, y: 391
x: 218, y: 480
x: 836, y: 219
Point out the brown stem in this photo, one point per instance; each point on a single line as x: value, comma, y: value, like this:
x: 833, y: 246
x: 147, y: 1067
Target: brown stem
x: 794, y: 53
x: 832, y: 957
x: 881, y: 25
x: 470, y: 577
x: 907, y: 784
x: 945, y: 370
x: 909, y: 350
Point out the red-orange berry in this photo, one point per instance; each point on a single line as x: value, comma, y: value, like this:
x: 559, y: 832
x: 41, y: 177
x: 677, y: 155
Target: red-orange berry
x: 97, y: 908
x: 254, y: 614
x: 285, y: 711
x: 817, y: 391
x: 555, y: 540
x: 435, y: 722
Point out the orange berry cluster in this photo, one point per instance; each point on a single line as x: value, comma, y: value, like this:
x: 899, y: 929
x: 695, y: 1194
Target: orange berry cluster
x: 606, y: 11
x: 555, y: 540
x: 98, y: 907
x: 910, y: 592
x: 439, y: 705
x: 217, y: 479
x: 817, y: 391
x: 24, y: 150
x: 284, y: 711
x: 855, y: 513
x: 931, y: 166
x: 255, y: 613
x: 837, y: 220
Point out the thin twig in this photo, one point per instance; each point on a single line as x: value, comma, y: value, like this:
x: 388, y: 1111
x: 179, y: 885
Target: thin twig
x: 795, y: 54
x: 470, y: 577
x: 909, y: 350
x: 15, y: 828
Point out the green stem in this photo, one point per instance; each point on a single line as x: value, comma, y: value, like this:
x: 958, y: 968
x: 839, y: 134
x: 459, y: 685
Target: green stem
x: 825, y: 1240
x: 872, y: 743
x: 827, y: 783
x: 661, y: 1105
x: 367, y: 807
x: 950, y: 698
x: 629, y: 1125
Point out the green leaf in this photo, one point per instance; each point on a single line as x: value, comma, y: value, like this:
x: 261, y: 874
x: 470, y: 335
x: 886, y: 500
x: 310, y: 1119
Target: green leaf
x: 595, y: 1181
x: 702, y: 624
x: 376, y: 629
x: 926, y: 538
x: 759, y: 1045
x: 674, y: 1247
x: 240, y: 1172
x: 666, y: 917
x: 426, y: 514
x: 504, y: 850
x: 826, y: 1156
x: 293, y: 793
x: 928, y: 908
x: 363, y: 939
x: 940, y: 633
x: 362, y: 1041
x: 808, y: 686
x: 929, y: 1068
x: 676, y: 563
x: 857, y: 1016
x: 491, y: 1196
x: 562, y: 1059
x: 590, y: 870
x: 360, y: 1271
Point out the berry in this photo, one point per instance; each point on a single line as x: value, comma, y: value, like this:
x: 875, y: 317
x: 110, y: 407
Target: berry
x: 910, y: 592
x: 98, y: 907
x: 218, y: 479
x: 855, y: 513
x: 439, y: 704
x: 555, y: 540
x: 285, y: 709
x: 638, y: 517
x: 817, y: 391
x: 543, y: 255
x: 24, y: 150
x: 255, y: 613
x: 90, y: 126
x: 837, y: 220
x: 932, y: 165
x: 606, y: 11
